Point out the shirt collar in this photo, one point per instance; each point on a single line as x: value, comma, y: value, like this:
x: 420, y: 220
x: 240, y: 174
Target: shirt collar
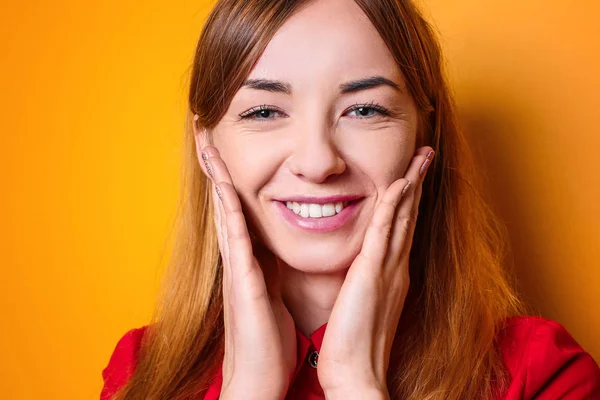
x: 304, y: 345
x: 315, y: 339
x: 307, y: 344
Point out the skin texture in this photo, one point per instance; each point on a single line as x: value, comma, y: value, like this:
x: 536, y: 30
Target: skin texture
x: 313, y: 143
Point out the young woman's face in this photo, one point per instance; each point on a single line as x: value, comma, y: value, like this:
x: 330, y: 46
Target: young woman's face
x: 338, y: 122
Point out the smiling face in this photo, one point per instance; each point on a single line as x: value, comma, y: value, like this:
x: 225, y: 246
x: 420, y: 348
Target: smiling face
x: 324, y: 114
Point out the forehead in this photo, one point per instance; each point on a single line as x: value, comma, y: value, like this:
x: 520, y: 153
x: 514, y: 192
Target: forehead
x: 327, y: 42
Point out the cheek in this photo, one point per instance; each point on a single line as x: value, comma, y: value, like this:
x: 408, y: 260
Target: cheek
x: 383, y: 158
x: 252, y: 161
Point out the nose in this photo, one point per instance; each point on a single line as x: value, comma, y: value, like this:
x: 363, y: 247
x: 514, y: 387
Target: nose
x: 316, y: 157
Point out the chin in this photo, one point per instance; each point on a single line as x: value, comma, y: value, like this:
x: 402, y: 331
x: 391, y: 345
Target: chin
x: 315, y: 252
x: 325, y: 257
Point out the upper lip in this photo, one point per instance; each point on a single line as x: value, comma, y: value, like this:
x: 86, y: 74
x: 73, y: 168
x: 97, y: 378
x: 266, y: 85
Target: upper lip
x: 320, y: 199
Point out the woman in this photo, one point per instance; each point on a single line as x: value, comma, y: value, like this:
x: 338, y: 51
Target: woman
x: 332, y: 242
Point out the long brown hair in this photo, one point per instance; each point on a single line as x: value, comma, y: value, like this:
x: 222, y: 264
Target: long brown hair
x: 461, y: 290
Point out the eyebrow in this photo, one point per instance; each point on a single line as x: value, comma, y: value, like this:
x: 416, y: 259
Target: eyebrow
x: 347, y: 87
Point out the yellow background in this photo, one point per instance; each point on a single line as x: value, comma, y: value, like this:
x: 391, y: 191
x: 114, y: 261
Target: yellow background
x: 92, y: 103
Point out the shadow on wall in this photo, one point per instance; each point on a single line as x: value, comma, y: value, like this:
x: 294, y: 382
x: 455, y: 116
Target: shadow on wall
x: 523, y: 172
x: 525, y: 74
x: 491, y: 130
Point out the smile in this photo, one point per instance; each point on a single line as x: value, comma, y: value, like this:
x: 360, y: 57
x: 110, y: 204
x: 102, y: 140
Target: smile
x: 319, y: 217
x: 312, y: 210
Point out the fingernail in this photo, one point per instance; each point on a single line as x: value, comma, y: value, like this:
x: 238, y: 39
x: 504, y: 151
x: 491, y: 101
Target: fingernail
x: 427, y: 162
x: 424, y: 167
x: 208, y: 168
x: 405, y: 188
x: 218, y: 190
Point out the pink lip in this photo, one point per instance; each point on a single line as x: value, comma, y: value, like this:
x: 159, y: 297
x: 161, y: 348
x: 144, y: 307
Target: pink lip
x: 324, y: 224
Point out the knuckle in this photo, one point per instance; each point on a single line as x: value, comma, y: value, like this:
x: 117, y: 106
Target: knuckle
x: 364, y: 257
x: 234, y: 219
x: 381, y: 229
x: 388, y: 201
x: 390, y: 205
x: 406, y: 223
x: 235, y: 238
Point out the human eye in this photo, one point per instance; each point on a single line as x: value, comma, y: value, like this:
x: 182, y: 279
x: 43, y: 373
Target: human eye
x: 368, y: 110
x: 260, y: 113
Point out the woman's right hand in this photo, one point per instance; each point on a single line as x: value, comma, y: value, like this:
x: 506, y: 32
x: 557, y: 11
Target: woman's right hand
x: 260, y: 337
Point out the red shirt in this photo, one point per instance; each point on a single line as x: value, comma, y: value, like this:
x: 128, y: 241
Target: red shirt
x: 543, y: 359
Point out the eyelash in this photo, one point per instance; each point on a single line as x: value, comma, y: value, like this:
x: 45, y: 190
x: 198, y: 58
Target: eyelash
x: 372, y: 105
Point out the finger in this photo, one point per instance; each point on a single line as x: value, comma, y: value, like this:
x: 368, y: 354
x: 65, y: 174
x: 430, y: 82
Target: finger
x: 417, y: 172
x: 218, y: 212
x: 219, y: 218
x: 224, y: 250
x: 415, y: 208
x: 405, y: 252
x: 423, y: 173
x: 238, y: 238
x: 216, y: 170
x: 236, y: 232
x: 376, y: 238
x: 215, y: 166
x: 384, y: 222
x: 201, y: 140
x: 407, y: 212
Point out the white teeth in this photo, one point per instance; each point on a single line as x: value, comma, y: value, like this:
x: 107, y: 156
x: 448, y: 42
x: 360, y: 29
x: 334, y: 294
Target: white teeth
x: 328, y: 210
x: 339, y: 206
x: 304, y: 210
x: 315, y: 210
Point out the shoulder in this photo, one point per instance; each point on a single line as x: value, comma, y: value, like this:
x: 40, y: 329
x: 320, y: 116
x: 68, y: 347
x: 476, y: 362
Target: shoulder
x: 545, y: 361
x: 122, y: 362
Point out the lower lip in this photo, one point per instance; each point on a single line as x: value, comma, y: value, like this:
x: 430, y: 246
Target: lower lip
x: 323, y: 224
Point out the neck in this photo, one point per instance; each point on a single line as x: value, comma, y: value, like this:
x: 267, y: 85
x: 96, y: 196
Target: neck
x: 309, y: 296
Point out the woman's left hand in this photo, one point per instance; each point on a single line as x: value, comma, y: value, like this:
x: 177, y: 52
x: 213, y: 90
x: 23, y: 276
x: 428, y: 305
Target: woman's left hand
x: 355, y: 352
